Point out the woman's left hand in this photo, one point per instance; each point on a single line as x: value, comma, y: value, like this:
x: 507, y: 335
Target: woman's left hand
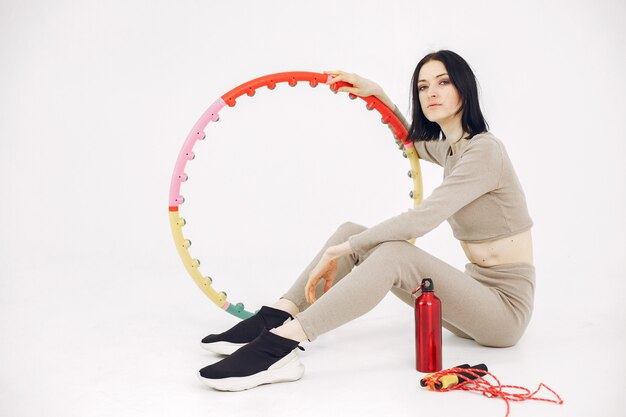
x: 326, y: 269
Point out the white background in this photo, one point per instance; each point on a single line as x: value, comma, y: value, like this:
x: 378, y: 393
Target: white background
x: 98, y: 316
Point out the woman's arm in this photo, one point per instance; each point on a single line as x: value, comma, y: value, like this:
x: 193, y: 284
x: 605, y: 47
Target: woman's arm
x: 431, y: 151
x: 477, y: 172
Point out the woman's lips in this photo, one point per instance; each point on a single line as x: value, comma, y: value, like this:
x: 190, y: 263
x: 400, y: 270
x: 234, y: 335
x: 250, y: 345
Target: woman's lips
x: 433, y: 105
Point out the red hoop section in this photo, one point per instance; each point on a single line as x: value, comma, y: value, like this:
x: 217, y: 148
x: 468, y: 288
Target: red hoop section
x: 315, y: 78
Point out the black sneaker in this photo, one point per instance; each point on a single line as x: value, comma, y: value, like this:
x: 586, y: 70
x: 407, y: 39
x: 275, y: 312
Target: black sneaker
x: 267, y: 359
x: 245, y: 331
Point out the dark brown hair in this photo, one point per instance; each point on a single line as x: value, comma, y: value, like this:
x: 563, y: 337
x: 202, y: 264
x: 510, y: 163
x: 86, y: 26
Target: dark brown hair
x: 462, y: 77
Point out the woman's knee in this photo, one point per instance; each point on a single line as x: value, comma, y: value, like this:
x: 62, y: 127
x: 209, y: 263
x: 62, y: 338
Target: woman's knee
x: 387, y: 253
x: 347, y: 229
x: 395, y: 249
x: 394, y: 262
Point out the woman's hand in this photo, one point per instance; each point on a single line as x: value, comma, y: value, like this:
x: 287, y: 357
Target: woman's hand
x: 361, y: 87
x: 326, y: 269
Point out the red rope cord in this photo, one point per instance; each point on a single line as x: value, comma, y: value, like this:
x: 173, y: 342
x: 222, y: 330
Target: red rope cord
x: 490, y: 389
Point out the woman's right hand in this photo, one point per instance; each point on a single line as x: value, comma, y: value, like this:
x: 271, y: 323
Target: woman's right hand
x: 361, y: 87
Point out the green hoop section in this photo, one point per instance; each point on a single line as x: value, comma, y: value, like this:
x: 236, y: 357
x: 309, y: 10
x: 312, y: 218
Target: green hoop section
x: 192, y: 265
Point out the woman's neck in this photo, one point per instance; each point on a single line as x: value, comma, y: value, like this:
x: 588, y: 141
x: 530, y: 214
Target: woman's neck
x: 453, y: 133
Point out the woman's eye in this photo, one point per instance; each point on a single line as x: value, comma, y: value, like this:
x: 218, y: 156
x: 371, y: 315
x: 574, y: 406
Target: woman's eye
x: 421, y: 88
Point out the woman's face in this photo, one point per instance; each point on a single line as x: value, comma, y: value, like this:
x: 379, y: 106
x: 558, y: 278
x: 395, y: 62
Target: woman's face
x: 439, y: 98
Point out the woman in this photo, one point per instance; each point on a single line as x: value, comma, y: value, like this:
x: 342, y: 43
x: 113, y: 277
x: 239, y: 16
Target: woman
x: 490, y: 302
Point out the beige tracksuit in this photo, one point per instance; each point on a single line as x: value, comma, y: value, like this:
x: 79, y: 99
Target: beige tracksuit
x: 482, y: 200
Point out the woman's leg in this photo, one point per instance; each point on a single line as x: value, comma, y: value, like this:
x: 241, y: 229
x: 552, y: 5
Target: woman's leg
x: 471, y: 308
x: 287, y: 306
x: 271, y: 357
x: 291, y: 304
x: 490, y: 306
x: 345, y: 264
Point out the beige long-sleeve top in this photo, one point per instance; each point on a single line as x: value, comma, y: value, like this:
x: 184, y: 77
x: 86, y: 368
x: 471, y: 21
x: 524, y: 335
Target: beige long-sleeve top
x: 480, y: 196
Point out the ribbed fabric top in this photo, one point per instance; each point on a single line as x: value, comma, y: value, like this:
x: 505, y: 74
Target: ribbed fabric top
x: 480, y: 196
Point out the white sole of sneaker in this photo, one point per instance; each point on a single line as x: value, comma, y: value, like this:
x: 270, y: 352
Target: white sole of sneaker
x: 287, y: 369
x: 222, y: 348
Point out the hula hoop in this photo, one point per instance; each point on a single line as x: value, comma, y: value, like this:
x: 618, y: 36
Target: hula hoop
x: 212, y: 115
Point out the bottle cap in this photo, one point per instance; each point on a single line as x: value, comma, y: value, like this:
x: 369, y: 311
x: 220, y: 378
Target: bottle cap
x: 427, y: 285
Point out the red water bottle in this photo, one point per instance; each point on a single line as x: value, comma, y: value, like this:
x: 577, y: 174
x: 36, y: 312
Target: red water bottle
x: 428, y: 329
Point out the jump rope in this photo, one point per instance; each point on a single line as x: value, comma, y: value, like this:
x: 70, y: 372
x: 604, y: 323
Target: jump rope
x: 478, y: 379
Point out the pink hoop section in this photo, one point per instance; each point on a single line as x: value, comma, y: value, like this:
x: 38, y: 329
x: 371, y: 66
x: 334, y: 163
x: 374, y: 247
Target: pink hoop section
x: 186, y: 152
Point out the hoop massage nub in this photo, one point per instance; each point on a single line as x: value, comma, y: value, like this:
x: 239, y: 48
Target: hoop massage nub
x: 212, y: 115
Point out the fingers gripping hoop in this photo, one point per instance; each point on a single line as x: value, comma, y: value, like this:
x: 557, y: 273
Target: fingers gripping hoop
x: 212, y: 115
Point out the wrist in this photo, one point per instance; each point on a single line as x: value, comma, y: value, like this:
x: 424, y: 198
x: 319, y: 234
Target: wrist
x: 338, y: 251
x: 382, y: 96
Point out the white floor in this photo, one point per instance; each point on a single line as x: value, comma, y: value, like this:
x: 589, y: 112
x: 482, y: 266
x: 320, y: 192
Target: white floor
x: 89, y: 348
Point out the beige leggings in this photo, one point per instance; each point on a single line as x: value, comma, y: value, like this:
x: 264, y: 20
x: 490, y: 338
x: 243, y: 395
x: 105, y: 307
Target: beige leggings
x: 491, y: 305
